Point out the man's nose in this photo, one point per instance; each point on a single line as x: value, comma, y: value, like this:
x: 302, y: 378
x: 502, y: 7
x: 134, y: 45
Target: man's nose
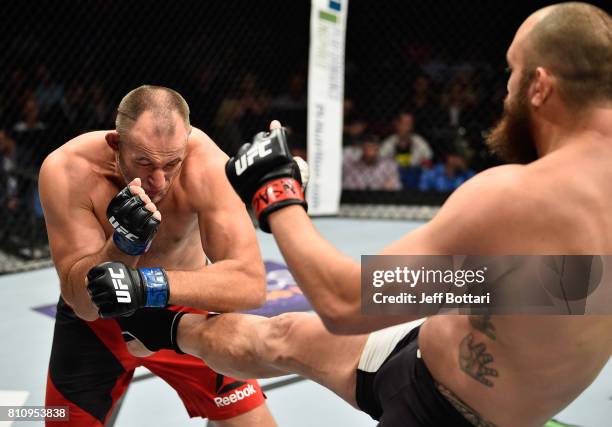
x: 157, y: 179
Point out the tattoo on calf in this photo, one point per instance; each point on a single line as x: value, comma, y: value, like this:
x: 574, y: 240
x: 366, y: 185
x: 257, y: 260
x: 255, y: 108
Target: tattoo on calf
x: 473, y: 360
x: 484, y: 325
x: 463, y: 408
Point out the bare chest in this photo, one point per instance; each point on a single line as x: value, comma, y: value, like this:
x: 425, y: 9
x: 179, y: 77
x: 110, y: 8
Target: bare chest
x: 177, y: 244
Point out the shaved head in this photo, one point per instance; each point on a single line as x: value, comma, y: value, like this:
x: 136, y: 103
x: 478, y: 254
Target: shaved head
x: 160, y: 101
x: 153, y: 130
x: 574, y: 42
x: 561, y: 52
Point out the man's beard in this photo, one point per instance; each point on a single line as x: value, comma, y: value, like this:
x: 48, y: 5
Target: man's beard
x: 511, y: 139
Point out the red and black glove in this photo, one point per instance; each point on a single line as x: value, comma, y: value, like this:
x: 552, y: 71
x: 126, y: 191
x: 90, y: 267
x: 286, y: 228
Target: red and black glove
x: 266, y: 176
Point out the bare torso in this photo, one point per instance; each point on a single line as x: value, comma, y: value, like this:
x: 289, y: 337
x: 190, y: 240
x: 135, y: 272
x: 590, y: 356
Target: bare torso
x: 542, y: 362
x: 177, y: 244
x: 521, y: 370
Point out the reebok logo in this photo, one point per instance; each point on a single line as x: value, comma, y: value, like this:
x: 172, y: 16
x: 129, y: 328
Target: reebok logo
x: 236, y: 396
x: 222, y: 388
x: 131, y: 237
x: 121, y: 289
x: 258, y: 150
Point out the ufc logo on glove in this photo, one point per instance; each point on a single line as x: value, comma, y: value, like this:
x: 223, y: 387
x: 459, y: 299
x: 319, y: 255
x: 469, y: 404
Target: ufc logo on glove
x: 265, y: 175
x: 118, y: 290
x: 260, y: 150
x: 131, y: 237
x: 121, y: 289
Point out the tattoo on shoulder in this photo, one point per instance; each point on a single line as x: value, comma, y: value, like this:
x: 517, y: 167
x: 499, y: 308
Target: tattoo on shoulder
x: 474, y: 360
x: 463, y: 408
x: 484, y: 325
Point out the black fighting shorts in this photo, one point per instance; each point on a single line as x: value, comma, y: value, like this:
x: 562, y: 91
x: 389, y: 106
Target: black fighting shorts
x: 403, y: 393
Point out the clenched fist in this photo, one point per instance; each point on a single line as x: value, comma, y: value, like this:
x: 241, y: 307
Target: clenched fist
x: 135, y: 219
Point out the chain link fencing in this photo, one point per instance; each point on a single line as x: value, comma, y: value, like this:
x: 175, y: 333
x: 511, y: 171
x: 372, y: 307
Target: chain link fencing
x: 424, y: 83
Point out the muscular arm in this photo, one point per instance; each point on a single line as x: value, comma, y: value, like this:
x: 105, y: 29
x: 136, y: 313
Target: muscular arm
x: 236, y: 279
x: 331, y: 280
x: 76, y: 238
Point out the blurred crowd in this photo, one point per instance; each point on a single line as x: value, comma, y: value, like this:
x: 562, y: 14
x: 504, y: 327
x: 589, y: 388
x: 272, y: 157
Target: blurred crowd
x: 427, y: 136
x: 432, y: 138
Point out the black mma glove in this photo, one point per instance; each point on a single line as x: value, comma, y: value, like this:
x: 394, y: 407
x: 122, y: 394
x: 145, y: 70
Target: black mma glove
x: 266, y: 176
x: 118, y: 290
x: 156, y: 328
x: 134, y: 225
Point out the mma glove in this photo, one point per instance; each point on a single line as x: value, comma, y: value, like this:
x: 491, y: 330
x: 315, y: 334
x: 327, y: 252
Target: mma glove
x: 118, y: 290
x: 266, y: 176
x: 135, y: 227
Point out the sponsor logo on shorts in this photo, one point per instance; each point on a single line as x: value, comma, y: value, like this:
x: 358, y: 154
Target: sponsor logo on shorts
x: 235, y: 396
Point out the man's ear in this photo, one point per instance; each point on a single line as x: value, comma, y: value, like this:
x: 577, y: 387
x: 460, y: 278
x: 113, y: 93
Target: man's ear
x: 112, y: 139
x: 541, y: 87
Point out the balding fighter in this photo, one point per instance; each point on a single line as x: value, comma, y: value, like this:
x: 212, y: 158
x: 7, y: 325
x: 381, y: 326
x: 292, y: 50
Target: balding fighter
x: 452, y: 370
x: 177, y: 210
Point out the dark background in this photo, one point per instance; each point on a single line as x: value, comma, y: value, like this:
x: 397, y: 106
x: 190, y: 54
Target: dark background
x: 66, y: 64
x: 126, y: 43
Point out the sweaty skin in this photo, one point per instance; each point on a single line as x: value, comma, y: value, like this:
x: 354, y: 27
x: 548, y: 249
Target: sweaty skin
x: 496, y: 370
x: 201, y: 216
x: 501, y: 365
x: 500, y: 370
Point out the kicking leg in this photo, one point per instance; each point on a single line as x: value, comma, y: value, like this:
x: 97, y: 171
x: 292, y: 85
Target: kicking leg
x: 247, y: 346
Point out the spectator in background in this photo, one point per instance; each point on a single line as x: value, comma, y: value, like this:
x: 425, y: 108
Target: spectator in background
x: 77, y: 114
x: 348, y: 108
x: 242, y: 114
x: 414, y: 148
x: 206, y: 93
x: 365, y: 169
x: 100, y: 109
x: 447, y: 176
x: 14, y: 92
x: 9, y: 203
x: 410, y: 150
x: 49, y: 92
x: 8, y: 161
x: 290, y: 106
x: 32, y: 145
x: 436, y: 66
x: 458, y: 106
x: 354, y: 130
x: 254, y: 108
x: 355, y: 126
x: 30, y: 135
x: 423, y: 106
